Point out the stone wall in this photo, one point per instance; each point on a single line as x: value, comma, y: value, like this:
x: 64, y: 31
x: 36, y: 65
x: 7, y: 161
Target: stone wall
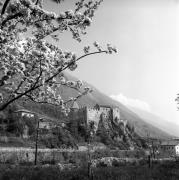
x: 21, y: 155
x: 94, y: 115
x: 116, y: 114
x: 27, y: 155
x: 106, y: 111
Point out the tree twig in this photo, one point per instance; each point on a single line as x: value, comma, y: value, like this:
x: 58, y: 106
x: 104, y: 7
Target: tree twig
x: 4, y: 7
x: 50, y: 78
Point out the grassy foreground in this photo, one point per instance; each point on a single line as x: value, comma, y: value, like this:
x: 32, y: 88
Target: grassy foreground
x: 162, y: 171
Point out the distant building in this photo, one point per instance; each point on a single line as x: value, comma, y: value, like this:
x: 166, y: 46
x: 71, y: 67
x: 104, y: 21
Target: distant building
x: 44, y: 122
x: 25, y: 113
x: 170, y: 147
x: 81, y: 117
x: 20, y: 115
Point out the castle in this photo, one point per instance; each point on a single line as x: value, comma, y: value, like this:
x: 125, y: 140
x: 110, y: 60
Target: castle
x: 81, y: 117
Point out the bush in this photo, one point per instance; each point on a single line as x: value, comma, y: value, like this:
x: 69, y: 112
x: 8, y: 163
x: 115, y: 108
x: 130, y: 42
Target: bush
x: 101, y: 164
x: 116, y: 163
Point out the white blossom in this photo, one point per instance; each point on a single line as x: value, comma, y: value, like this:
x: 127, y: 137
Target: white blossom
x: 30, y: 63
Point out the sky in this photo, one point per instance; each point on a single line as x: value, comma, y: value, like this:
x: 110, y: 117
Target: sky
x: 145, y: 72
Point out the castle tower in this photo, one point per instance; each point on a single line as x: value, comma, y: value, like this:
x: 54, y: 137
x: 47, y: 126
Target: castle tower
x: 74, y: 107
x: 116, y: 114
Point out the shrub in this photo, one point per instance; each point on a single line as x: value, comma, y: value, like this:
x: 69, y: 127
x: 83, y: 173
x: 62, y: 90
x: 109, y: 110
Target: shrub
x: 101, y: 164
x: 116, y: 163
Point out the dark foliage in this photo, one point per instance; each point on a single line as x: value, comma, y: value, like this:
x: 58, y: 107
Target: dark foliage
x: 159, y: 171
x: 59, y: 137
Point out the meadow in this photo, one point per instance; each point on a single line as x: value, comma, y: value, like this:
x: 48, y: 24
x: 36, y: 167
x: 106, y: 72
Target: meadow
x: 158, y: 171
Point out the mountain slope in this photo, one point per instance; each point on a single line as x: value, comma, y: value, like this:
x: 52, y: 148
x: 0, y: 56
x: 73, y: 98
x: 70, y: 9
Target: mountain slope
x: 169, y: 127
x: 141, y: 126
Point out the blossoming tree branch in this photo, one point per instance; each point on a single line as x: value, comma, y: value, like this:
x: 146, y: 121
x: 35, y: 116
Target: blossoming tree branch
x: 31, y: 67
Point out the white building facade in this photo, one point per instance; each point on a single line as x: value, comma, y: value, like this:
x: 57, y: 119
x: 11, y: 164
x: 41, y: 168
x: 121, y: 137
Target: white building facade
x: 170, y: 148
x: 177, y: 149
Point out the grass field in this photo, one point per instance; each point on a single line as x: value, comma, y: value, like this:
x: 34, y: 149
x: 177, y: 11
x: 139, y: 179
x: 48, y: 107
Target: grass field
x: 159, y: 171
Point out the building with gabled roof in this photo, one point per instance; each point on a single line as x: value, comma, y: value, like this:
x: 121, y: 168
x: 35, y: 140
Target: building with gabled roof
x: 170, y: 147
x: 44, y: 121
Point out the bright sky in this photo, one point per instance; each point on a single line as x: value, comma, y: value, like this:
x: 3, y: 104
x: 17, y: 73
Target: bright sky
x: 145, y: 72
